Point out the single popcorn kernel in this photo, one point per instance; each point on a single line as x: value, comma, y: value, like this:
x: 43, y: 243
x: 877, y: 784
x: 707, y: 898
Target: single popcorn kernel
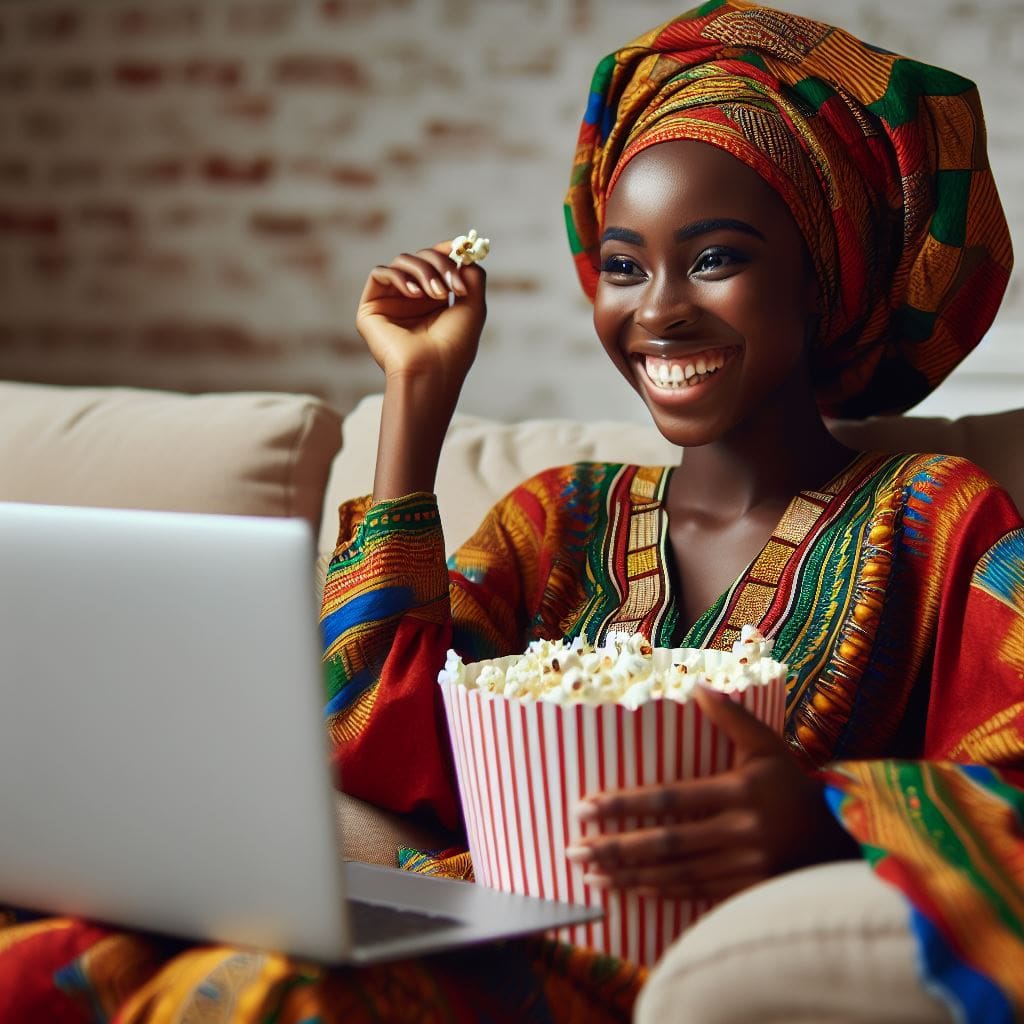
x: 469, y: 248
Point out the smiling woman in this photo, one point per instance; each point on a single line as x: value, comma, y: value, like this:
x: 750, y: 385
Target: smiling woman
x: 775, y: 221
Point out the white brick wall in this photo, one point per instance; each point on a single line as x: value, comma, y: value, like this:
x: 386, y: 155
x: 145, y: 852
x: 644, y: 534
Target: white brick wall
x: 191, y: 193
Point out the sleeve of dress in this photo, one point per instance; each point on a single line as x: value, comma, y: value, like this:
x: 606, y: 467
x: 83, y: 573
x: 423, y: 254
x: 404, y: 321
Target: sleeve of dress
x: 949, y: 829
x: 392, y: 608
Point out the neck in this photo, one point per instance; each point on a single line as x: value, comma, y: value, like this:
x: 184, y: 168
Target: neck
x: 764, y: 461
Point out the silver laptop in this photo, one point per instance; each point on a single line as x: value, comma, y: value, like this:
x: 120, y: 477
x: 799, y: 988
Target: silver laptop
x: 163, y: 761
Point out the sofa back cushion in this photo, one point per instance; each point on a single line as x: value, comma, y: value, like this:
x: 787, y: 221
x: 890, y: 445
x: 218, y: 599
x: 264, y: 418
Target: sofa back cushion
x: 483, y: 459
x: 247, y: 453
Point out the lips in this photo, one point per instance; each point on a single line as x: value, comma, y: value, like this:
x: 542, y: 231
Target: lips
x: 673, y: 374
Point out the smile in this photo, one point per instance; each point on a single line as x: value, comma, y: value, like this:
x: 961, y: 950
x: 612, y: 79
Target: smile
x: 687, y: 372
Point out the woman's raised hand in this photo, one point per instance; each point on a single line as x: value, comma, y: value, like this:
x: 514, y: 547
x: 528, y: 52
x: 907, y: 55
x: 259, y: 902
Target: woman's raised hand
x: 421, y: 316
x: 412, y: 328
x: 712, y: 837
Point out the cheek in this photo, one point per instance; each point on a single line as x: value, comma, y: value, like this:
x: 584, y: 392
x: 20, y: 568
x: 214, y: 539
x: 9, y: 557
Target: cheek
x: 610, y: 317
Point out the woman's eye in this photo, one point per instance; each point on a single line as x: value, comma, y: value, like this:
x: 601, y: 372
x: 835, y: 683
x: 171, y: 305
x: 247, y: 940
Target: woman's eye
x: 620, y: 266
x: 715, y: 259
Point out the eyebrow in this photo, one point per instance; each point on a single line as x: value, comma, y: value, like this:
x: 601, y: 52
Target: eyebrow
x: 700, y: 227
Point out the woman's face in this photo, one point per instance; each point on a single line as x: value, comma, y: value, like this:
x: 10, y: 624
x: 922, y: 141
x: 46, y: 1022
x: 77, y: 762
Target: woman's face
x: 706, y: 292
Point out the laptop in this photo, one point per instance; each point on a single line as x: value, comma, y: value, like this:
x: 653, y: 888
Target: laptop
x: 163, y: 757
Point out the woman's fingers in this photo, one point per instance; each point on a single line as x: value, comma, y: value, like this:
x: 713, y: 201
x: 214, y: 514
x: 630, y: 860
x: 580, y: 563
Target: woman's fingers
x: 427, y: 272
x: 695, y: 860
x: 692, y: 798
x: 679, y: 843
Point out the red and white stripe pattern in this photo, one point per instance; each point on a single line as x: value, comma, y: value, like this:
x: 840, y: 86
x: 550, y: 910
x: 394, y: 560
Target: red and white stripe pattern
x: 522, y: 765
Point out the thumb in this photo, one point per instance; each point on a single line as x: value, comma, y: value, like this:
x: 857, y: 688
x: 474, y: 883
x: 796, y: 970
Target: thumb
x: 752, y: 737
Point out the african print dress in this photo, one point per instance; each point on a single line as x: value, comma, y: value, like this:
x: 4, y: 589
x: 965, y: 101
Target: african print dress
x: 895, y: 594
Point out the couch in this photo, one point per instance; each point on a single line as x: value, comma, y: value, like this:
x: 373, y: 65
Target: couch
x: 293, y: 455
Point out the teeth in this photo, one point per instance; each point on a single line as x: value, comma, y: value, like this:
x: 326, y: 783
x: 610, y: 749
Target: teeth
x: 665, y: 373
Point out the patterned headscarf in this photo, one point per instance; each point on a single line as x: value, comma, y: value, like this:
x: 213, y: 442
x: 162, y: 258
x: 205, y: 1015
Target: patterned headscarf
x: 880, y: 159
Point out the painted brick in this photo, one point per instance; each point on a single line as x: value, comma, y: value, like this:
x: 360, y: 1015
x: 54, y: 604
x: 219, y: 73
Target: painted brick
x: 277, y: 225
x: 221, y: 73
x: 351, y: 176
x: 107, y: 215
x: 253, y: 108
x: 261, y: 16
x: 164, y: 19
x: 319, y: 70
x: 60, y: 24
x: 65, y: 173
x: 139, y: 73
x: 159, y: 171
x: 15, y: 173
x: 29, y: 222
x: 230, y: 170
x: 249, y: 160
x: 16, y: 78
x: 75, y: 78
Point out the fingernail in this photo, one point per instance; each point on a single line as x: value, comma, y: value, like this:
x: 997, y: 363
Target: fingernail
x: 437, y: 288
x: 414, y: 287
x: 585, y: 809
x: 596, y: 881
x: 577, y: 853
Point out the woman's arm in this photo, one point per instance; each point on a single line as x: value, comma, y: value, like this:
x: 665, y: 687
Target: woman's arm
x: 392, y: 609
x: 425, y: 344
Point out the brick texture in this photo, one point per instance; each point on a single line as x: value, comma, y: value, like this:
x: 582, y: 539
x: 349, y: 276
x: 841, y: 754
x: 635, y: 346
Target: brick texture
x: 192, y: 193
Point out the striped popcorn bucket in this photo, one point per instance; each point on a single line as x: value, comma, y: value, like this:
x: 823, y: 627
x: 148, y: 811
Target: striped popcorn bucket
x: 523, y: 764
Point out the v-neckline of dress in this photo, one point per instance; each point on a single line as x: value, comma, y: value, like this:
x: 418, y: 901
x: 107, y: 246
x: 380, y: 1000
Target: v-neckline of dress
x: 641, y: 534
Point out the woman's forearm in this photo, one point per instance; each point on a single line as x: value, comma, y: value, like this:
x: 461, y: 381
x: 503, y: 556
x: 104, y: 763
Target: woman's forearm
x: 414, y: 420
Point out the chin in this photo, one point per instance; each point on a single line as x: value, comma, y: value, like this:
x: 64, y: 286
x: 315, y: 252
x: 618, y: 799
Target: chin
x: 683, y: 432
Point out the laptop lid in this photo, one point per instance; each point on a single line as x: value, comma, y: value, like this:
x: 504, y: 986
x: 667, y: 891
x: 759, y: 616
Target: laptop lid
x: 163, y: 761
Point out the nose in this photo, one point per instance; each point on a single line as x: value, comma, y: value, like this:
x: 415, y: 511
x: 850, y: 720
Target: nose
x: 666, y: 306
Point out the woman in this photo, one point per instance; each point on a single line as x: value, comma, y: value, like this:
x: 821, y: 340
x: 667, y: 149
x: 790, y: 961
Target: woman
x: 773, y: 220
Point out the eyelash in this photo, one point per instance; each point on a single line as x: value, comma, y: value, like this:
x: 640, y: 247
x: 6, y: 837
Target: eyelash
x: 619, y: 266
x: 726, y: 255
x: 623, y: 266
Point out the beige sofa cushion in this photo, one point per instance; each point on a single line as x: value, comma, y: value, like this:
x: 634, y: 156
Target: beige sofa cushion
x: 483, y: 459
x: 238, y: 453
x: 830, y: 944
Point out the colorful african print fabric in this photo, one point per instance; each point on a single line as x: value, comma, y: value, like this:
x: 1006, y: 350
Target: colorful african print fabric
x: 63, y: 971
x: 880, y: 159
x: 895, y: 593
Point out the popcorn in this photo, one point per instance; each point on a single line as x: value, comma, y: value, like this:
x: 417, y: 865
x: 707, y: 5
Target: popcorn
x: 624, y: 670
x: 469, y: 248
x: 533, y: 734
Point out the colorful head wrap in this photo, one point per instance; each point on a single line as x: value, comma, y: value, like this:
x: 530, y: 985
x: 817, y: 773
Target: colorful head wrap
x: 880, y: 159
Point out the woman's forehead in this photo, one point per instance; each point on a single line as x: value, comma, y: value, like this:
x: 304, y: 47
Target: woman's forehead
x: 685, y: 173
